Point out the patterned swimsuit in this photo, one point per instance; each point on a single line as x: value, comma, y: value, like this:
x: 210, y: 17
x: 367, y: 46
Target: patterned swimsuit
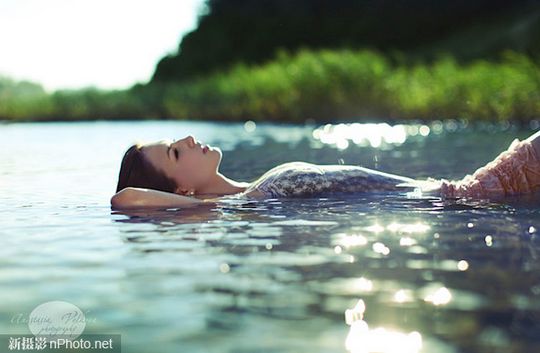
x: 299, y: 179
x: 515, y: 171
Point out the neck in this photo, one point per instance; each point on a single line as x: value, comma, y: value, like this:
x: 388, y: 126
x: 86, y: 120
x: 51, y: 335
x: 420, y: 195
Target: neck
x: 221, y: 185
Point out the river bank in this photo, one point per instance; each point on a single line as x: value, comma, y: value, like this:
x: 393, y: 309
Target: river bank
x: 326, y: 85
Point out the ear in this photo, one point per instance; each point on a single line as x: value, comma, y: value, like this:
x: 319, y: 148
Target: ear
x: 180, y: 190
x: 183, y: 191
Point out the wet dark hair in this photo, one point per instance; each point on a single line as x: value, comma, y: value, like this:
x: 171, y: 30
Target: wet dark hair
x: 137, y: 171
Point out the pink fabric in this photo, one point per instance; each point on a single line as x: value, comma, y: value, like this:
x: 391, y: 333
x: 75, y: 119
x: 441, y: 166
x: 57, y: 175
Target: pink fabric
x: 514, y: 171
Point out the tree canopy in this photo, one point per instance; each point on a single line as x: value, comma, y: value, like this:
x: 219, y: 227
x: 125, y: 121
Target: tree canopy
x: 248, y: 31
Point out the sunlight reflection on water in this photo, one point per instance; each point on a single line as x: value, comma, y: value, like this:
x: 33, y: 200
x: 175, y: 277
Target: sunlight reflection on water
x: 362, y: 339
x: 373, y: 135
x: 271, y: 275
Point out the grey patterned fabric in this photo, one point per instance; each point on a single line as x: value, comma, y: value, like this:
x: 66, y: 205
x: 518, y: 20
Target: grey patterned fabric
x: 299, y: 179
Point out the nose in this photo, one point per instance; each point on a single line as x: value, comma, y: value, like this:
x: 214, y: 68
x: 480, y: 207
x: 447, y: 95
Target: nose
x: 188, y: 140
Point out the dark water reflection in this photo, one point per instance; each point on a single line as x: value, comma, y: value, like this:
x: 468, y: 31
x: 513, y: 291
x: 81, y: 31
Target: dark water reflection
x: 278, y: 275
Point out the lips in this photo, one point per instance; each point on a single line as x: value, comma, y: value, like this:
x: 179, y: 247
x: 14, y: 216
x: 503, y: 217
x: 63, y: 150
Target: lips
x: 205, y: 149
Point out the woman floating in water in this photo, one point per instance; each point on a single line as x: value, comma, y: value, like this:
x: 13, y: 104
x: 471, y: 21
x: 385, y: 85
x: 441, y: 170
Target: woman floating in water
x: 185, y: 173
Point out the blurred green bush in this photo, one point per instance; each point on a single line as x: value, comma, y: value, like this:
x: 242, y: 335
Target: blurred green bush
x: 324, y: 85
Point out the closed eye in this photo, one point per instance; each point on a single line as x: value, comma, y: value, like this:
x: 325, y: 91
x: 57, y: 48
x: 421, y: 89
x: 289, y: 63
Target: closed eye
x: 176, y: 153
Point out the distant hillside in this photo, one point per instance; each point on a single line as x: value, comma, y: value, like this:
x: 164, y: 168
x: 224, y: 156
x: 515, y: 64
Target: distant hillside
x: 20, y: 89
x: 252, y: 31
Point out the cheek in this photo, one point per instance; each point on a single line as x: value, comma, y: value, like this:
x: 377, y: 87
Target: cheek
x: 194, y: 168
x: 198, y: 169
x: 179, y: 175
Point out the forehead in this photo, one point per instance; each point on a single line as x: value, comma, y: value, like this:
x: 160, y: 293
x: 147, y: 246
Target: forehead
x: 156, y: 152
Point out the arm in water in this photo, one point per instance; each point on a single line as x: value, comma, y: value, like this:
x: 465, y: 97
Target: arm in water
x: 130, y: 198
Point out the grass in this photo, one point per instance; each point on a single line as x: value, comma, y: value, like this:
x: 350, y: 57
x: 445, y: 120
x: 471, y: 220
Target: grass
x: 322, y: 85
x: 328, y: 85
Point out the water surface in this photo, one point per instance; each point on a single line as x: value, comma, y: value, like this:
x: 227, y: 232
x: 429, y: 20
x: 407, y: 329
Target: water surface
x: 271, y: 275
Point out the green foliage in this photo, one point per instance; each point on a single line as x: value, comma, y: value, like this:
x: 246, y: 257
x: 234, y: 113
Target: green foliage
x: 329, y: 85
x: 321, y: 85
x: 248, y: 31
x: 28, y: 101
x: 94, y: 104
x: 21, y: 99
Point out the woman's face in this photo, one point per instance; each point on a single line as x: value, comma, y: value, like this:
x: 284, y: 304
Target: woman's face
x: 188, y: 162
